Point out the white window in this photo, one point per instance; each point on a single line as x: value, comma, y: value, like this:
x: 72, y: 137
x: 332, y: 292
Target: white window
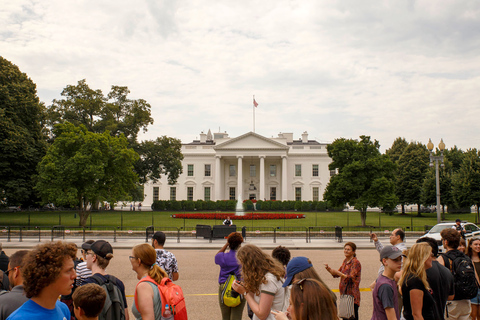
x: 155, y: 193
x: 190, y: 170
x: 208, y: 170
x: 315, y: 170
x: 298, y: 170
x: 315, y: 194
x: 298, y: 194
x: 233, y: 172
x: 232, y: 193
x: 273, y: 193
x: 207, y: 194
x: 273, y: 170
x: 189, y: 193
x: 253, y: 171
x: 173, y: 193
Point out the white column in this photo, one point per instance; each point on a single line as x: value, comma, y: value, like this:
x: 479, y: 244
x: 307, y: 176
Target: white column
x: 240, y: 179
x: 262, y: 178
x: 218, y: 178
x: 284, y: 178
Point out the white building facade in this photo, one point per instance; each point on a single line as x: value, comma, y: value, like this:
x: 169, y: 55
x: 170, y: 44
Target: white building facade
x: 250, y: 166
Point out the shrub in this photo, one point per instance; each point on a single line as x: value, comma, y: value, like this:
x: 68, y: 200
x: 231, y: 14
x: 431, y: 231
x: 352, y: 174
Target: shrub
x: 298, y: 205
x: 176, y: 205
x: 189, y: 205
x: 306, y: 206
x: 221, y: 205
x: 288, y: 205
x: 199, y: 204
x: 267, y: 205
x: 231, y: 205
x: 259, y: 205
x: 276, y: 205
x: 158, y: 205
x: 210, y: 205
x: 322, y: 206
x: 248, y: 205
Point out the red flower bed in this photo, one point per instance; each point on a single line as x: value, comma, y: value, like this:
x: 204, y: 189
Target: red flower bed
x: 247, y: 216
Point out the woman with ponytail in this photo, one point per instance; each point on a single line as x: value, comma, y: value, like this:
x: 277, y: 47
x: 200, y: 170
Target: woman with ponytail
x: 148, y: 304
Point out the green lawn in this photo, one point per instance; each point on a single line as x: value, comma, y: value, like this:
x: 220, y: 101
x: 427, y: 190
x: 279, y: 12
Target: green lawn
x: 137, y: 220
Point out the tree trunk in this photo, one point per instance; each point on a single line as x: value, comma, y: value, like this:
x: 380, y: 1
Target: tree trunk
x: 403, y: 208
x: 419, y: 213
x: 83, y: 218
x: 363, y: 216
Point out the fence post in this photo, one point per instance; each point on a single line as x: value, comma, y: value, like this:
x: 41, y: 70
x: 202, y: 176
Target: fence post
x: 178, y: 235
x: 20, y: 238
x: 274, y: 235
x: 244, y: 232
x: 8, y: 234
x: 114, y: 234
x: 39, y: 233
x: 306, y: 234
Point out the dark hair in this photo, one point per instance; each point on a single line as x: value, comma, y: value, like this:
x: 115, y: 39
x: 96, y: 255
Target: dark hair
x: 353, y: 246
x: 16, y: 259
x: 234, y: 240
x: 43, y: 264
x: 282, y: 254
x: 90, y: 298
x: 432, y: 242
x: 311, y: 300
x: 160, y: 237
x: 469, y: 248
x: 452, y: 236
x: 400, y: 233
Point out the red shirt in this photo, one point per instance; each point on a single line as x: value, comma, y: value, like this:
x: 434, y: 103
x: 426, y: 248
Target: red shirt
x: 353, y: 270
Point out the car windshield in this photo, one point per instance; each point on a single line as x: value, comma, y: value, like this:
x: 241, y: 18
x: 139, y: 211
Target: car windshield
x: 439, y: 228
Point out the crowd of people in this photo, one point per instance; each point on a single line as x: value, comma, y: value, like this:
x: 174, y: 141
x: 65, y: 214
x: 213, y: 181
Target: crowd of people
x: 50, y: 282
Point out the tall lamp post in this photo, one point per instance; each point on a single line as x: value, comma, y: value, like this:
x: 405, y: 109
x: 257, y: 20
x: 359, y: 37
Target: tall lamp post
x: 441, y: 147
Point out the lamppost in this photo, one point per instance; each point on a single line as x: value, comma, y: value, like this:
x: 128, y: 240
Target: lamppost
x: 441, y: 147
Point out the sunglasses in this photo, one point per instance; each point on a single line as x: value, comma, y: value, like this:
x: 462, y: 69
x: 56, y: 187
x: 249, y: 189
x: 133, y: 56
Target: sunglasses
x: 8, y: 271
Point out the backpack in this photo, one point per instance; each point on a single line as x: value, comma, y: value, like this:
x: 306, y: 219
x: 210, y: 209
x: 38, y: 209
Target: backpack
x: 461, y: 267
x: 114, y: 308
x: 230, y: 297
x: 171, y: 295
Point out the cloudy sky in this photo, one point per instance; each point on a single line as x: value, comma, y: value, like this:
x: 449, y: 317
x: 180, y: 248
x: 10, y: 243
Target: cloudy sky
x: 347, y: 68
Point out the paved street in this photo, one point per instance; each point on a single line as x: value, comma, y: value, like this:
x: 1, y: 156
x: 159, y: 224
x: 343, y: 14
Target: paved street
x: 199, y: 274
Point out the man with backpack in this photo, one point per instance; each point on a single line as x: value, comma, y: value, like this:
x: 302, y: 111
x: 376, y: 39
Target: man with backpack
x: 463, y: 272
x: 98, y: 256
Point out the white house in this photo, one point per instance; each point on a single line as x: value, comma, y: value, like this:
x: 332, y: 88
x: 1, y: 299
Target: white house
x: 250, y: 166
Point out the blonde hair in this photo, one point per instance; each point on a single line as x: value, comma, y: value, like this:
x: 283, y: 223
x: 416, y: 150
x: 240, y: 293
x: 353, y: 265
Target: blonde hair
x: 414, y: 265
x: 255, y: 264
x: 148, y: 257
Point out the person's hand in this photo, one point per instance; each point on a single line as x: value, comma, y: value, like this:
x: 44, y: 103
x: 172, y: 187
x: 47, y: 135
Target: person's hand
x: 238, y: 287
x: 280, y: 315
x: 374, y: 237
x: 328, y: 268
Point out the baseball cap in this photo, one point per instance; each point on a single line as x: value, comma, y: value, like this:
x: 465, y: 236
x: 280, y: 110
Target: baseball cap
x: 87, y: 243
x: 99, y: 247
x: 296, y: 265
x: 390, y: 252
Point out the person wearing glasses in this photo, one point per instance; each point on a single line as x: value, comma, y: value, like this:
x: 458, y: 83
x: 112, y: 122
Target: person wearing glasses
x: 350, y: 273
x: 418, y: 299
x: 309, y: 300
x: 11, y: 301
x: 148, y: 304
x: 82, y: 271
x: 473, y: 251
x: 262, y: 282
x: 98, y: 256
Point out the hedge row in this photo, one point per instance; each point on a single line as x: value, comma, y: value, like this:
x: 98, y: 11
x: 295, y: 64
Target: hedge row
x: 230, y: 205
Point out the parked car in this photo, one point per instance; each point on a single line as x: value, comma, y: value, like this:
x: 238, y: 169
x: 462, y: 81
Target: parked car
x: 471, y: 230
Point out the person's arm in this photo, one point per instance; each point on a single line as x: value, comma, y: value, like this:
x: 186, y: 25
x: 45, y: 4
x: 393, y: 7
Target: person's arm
x: 391, y: 315
x: 263, y: 308
x: 175, y: 276
x: 441, y: 261
x: 280, y: 315
x: 416, y: 301
x: 144, y: 301
x: 225, y: 246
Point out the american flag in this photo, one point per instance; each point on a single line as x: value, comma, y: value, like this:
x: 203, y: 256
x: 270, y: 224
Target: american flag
x: 255, y: 103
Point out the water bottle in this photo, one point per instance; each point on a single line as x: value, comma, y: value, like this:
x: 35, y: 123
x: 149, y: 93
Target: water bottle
x: 167, y: 313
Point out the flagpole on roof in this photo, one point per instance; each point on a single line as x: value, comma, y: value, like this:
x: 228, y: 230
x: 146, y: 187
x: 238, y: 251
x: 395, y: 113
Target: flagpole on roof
x: 253, y: 113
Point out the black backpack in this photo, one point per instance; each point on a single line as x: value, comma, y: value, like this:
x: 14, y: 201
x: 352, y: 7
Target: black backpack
x: 114, y: 308
x: 461, y: 267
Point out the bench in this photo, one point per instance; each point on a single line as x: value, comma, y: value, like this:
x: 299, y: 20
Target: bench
x: 223, y: 231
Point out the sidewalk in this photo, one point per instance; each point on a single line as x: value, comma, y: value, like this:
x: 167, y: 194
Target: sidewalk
x: 200, y: 243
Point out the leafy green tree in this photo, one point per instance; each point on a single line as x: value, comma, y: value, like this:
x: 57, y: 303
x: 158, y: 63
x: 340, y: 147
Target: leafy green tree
x: 22, y: 135
x: 83, y: 167
x: 394, y: 153
x: 158, y: 157
x: 365, y: 176
x: 466, y: 182
x: 412, y: 167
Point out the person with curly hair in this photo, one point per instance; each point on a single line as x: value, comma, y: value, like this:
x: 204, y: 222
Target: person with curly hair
x: 262, y: 282
x: 282, y: 254
x: 148, y: 303
x: 228, y: 264
x: 350, y: 273
x: 309, y: 300
x: 48, y: 272
x: 418, y: 300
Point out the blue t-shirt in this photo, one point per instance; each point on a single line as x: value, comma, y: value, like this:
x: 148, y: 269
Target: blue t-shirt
x: 32, y: 310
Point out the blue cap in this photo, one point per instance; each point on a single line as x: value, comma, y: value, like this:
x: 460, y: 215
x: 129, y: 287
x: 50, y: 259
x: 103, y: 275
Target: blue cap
x: 296, y: 265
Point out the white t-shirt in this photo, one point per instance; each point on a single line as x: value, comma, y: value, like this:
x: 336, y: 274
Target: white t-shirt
x: 274, y: 288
